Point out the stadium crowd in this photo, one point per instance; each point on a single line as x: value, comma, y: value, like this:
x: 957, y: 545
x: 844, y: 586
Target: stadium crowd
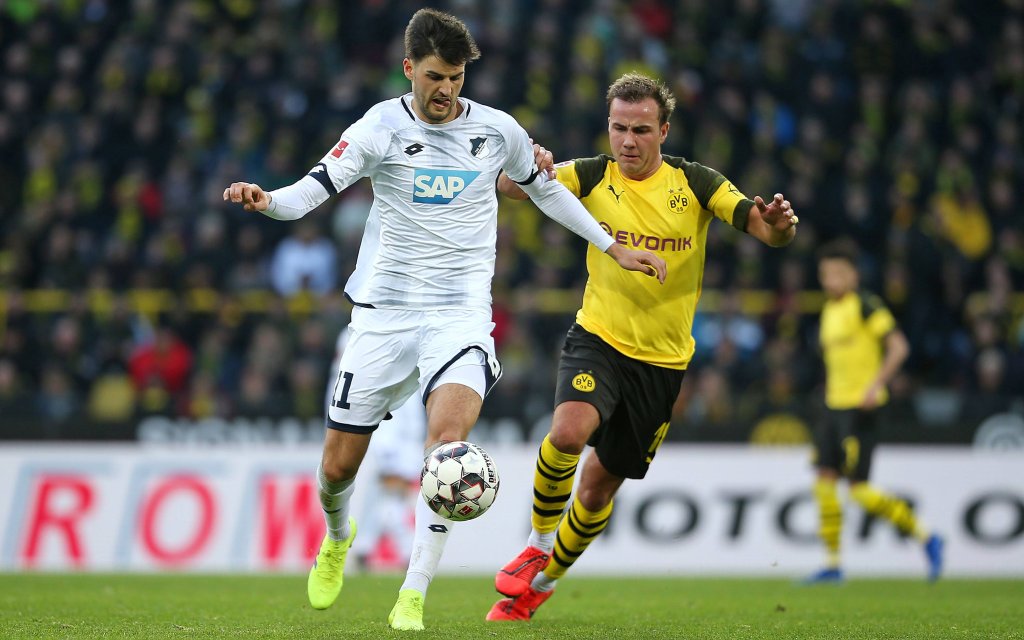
x: 897, y: 123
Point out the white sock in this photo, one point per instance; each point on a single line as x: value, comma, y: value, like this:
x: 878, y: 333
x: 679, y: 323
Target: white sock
x: 427, y: 546
x: 543, y: 541
x: 335, y: 498
x: 543, y: 583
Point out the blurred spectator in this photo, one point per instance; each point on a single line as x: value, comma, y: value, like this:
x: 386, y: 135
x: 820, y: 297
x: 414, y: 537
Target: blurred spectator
x: 249, y: 270
x: 259, y: 398
x: 990, y: 395
x: 15, y: 400
x: 111, y: 398
x: 728, y: 324
x: 203, y: 399
x: 711, y: 402
x: 163, y: 362
x: 57, y: 400
x: 306, y: 382
x: 305, y: 261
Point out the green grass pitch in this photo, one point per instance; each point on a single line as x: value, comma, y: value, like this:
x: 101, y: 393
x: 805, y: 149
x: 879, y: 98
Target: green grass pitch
x: 197, y: 606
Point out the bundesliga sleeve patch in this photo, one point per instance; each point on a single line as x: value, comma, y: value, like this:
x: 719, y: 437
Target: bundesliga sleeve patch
x: 340, y: 149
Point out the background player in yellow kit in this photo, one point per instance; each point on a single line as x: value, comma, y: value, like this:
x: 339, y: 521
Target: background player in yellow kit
x: 863, y: 349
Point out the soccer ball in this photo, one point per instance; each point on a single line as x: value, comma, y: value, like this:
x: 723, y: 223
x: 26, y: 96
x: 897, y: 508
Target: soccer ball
x: 459, y: 481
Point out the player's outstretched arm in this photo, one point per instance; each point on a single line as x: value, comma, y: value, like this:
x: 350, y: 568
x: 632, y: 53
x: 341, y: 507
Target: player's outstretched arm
x: 287, y: 203
x: 773, y: 223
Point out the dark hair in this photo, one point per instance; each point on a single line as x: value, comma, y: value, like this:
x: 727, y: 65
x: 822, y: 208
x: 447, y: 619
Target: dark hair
x: 435, y: 33
x: 636, y: 87
x: 841, y: 249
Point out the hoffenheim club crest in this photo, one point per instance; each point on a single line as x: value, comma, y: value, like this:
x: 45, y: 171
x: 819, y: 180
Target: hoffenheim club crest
x: 478, y: 147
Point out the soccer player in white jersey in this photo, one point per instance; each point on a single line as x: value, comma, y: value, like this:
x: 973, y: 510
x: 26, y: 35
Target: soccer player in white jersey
x: 421, y: 287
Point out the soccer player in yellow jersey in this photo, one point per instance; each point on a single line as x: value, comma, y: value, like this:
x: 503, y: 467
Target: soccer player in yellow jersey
x: 863, y: 349
x: 624, y: 358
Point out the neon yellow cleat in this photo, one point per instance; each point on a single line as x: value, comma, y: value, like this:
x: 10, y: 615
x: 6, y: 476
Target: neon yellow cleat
x: 328, y: 572
x: 408, y: 612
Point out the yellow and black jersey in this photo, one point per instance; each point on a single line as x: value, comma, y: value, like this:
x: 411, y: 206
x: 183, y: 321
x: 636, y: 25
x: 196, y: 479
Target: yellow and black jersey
x: 852, y: 335
x: 667, y: 214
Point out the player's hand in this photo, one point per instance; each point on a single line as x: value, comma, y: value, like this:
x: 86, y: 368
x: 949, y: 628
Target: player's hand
x: 871, y: 398
x: 543, y: 159
x: 643, y: 261
x: 251, y: 196
x: 778, y: 213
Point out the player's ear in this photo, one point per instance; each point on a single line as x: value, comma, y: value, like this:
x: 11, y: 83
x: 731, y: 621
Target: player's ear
x: 407, y: 68
x: 664, y: 131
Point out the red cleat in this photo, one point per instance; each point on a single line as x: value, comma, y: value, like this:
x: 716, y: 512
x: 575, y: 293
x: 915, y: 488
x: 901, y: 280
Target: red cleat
x: 520, y: 608
x: 515, y: 578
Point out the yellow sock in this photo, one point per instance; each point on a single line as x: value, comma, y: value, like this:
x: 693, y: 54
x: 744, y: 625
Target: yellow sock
x: 887, y: 506
x: 552, y: 485
x: 577, y: 529
x: 830, y: 512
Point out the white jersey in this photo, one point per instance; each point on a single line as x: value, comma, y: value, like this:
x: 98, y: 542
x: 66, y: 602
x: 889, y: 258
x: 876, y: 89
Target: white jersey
x: 430, y: 238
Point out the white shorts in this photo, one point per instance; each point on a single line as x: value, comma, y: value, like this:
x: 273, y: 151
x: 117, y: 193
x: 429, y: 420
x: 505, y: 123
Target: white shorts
x: 393, y: 353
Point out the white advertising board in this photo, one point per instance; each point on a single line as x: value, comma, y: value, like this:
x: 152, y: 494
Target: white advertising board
x: 711, y: 510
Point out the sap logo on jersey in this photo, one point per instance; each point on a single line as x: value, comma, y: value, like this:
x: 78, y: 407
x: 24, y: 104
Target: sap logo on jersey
x: 440, y: 186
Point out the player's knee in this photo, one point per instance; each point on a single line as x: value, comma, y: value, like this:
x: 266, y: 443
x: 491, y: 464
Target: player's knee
x: 827, y: 473
x: 567, y: 440
x: 336, y: 469
x: 862, y: 492
x: 572, y: 426
x: 595, y: 498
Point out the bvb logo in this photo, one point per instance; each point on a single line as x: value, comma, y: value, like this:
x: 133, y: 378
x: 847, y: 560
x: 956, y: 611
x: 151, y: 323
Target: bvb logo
x: 677, y: 202
x: 584, y: 382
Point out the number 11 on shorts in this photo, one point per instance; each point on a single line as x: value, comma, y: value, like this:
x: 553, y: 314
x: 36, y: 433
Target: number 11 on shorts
x: 342, y: 401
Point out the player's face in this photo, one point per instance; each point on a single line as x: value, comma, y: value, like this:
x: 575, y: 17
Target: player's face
x: 435, y: 88
x: 635, y: 137
x: 838, y: 277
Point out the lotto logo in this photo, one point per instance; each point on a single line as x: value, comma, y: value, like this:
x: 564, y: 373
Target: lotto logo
x: 440, y: 186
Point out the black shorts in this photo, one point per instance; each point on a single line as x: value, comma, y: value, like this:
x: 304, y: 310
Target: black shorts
x: 845, y: 442
x: 633, y: 398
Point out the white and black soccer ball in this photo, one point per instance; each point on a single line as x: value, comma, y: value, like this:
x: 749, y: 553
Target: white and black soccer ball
x: 459, y: 481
